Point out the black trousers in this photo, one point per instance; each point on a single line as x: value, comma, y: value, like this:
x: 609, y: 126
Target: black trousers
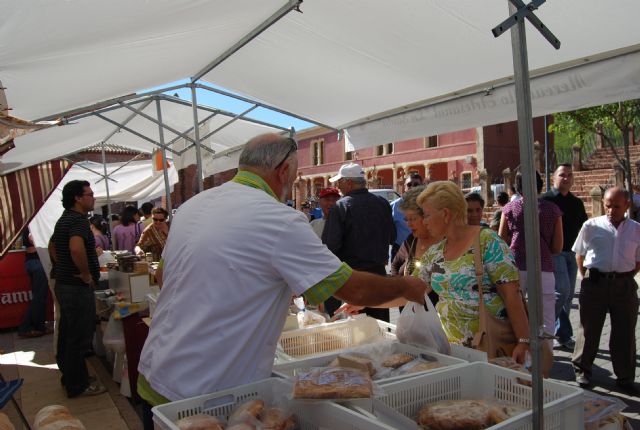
x: 77, y: 326
x: 619, y: 297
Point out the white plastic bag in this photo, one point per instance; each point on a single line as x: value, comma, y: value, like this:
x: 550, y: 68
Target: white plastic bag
x: 422, y: 327
x: 113, y: 336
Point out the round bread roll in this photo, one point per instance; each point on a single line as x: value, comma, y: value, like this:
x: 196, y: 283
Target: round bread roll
x: 456, y: 415
x: 56, y: 417
x: 5, y: 424
x: 247, y: 413
x: 200, y: 422
x: 277, y: 419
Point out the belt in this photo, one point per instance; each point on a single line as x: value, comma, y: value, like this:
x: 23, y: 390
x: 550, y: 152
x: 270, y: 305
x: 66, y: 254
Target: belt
x: 595, y: 273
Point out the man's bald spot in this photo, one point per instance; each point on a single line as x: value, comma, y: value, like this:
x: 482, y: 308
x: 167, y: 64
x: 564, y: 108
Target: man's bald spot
x: 264, y: 139
x: 615, y: 192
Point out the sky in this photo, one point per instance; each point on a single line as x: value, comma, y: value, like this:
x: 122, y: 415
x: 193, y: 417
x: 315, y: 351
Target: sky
x: 230, y: 104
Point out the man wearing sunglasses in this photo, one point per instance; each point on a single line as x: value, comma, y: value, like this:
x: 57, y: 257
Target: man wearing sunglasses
x: 235, y: 256
x: 402, y: 230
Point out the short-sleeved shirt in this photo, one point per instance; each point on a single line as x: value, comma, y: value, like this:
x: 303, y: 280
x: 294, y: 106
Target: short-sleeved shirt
x: 455, y: 283
x: 359, y: 230
x: 548, y: 214
x: 125, y: 237
x: 606, y: 248
x: 234, y: 258
x: 573, y: 215
x: 70, y: 224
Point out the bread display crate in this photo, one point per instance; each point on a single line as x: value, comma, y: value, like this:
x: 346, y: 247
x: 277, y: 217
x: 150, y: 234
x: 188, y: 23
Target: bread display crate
x: 309, y: 415
x: 329, y: 337
x: 402, y: 400
x: 291, y: 369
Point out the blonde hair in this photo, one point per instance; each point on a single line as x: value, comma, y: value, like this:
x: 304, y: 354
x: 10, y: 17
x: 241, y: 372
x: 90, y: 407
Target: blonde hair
x: 445, y: 194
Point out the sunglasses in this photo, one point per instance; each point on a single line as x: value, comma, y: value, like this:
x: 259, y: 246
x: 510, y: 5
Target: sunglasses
x: 292, y: 149
x: 158, y: 220
x: 412, y: 184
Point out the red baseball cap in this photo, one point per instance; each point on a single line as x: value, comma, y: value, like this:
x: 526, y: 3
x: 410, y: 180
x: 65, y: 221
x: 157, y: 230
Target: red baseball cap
x: 329, y: 191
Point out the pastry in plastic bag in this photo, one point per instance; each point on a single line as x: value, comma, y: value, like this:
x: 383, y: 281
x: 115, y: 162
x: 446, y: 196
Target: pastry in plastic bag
x: 421, y: 366
x: 463, y: 415
x: 397, y: 360
x: 333, y: 383
x: 200, y: 422
x: 247, y: 413
x: 277, y: 419
x: 356, y: 361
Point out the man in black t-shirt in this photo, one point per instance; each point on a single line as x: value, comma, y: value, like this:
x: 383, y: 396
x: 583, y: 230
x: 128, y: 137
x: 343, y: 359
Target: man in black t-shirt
x: 72, y: 249
x: 564, y: 264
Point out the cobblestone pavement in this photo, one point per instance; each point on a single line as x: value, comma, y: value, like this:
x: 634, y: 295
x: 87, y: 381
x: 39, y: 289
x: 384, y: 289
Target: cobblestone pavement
x: 603, y: 378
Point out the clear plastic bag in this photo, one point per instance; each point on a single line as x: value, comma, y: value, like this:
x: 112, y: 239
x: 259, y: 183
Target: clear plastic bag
x: 420, y: 326
x: 598, y: 409
x: 113, y: 337
x: 332, y: 383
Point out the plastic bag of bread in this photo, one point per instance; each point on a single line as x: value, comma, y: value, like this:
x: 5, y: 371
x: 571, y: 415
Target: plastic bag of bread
x: 396, y: 360
x: 418, y: 365
x: 55, y: 417
x: 277, y: 419
x: 333, y: 383
x: 200, y: 422
x: 247, y: 413
x: 464, y: 415
x: 600, y: 410
x: 356, y: 361
x: 5, y: 424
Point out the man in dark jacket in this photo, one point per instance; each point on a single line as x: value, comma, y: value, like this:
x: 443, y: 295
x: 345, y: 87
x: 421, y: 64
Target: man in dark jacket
x: 359, y: 229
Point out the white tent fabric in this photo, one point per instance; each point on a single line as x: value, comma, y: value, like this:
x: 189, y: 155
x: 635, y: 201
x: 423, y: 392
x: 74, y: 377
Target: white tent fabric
x: 58, y: 141
x: 340, y: 62
x: 134, y: 182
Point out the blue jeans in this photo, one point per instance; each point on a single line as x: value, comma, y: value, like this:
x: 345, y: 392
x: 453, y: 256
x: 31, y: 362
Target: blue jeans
x: 36, y: 314
x: 566, y: 270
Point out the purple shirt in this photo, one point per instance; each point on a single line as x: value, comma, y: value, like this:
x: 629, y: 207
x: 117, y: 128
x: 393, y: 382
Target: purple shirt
x: 548, y: 213
x: 102, y: 241
x: 126, y: 237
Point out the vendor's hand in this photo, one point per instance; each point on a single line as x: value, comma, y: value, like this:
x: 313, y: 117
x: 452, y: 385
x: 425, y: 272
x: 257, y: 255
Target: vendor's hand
x: 415, y: 289
x: 99, y: 251
x: 520, y: 353
x: 349, y: 309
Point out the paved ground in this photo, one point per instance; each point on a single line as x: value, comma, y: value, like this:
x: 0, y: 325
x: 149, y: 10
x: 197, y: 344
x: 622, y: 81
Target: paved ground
x: 603, y: 376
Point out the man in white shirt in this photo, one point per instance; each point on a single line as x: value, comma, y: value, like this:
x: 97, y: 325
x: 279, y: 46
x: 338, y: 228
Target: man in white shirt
x: 235, y: 256
x: 608, y: 256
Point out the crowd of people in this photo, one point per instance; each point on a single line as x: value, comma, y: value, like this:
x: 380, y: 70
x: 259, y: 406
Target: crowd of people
x: 226, y: 287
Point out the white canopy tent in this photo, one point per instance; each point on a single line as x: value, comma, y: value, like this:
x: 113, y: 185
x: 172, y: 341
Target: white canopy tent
x: 353, y: 64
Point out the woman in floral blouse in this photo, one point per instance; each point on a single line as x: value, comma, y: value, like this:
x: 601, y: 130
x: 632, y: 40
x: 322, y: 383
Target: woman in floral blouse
x: 449, y: 267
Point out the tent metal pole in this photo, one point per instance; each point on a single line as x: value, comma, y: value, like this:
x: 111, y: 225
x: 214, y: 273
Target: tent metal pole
x: 155, y: 121
x: 196, y: 134
x: 106, y: 184
x: 266, y: 106
x: 290, y: 5
x: 127, y: 163
x: 190, y: 129
x: 167, y: 191
x: 225, y: 113
x: 140, y: 135
x: 232, y: 120
x: 106, y: 103
x: 90, y: 170
x: 547, y: 172
x: 146, y: 100
x: 530, y: 196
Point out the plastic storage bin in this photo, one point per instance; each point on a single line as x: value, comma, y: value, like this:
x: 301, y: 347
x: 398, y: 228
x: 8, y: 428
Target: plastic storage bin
x: 288, y: 370
x: 335, y: 336
x: 309, y: 415
x: 563, y: 404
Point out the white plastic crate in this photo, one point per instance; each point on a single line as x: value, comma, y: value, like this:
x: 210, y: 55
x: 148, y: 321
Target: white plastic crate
x: 335, y: 336
x: 309, y: 415
x: 563, y: 404
x: 289, y: 370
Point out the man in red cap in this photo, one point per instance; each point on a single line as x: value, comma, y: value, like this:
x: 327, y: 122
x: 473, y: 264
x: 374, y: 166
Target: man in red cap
x: 328, y: 198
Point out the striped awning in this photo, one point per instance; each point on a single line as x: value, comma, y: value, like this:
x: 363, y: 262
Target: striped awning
x: 22, y: 194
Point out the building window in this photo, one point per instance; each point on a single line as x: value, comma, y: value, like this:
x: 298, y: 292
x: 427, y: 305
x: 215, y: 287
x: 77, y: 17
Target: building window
x: 465, y: 180
x: 317, y: 152
x: 385, y: 149
x: 348, y: 155
x: 432, y: 142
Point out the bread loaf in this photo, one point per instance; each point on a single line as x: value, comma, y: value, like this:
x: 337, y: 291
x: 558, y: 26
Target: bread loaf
x: 247, y: 413
x: 200, y: 422
x: 56, y: 417
x: 5, y: 424
x: 276, y: 419
x: 396, y: 360
x: 333, y: 383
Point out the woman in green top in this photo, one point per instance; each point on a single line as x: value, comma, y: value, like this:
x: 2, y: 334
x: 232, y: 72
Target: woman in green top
x: 449, y: 267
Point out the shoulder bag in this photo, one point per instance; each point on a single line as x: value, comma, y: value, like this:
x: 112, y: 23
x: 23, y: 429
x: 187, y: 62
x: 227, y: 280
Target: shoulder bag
x: 495, y: 336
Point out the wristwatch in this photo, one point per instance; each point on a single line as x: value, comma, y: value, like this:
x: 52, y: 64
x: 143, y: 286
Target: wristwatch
x: 524, y: 340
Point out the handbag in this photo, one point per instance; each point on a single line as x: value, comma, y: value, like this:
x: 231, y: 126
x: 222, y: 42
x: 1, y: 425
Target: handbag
x: 495, y: 336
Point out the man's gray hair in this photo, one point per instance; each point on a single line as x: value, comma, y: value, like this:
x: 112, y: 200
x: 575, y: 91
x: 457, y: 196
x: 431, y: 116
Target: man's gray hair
x: 263, y: 154
x: 359, y: 182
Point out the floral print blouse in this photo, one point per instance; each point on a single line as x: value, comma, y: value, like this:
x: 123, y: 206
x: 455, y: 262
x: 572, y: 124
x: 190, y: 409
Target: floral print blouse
x: 455, y: 283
